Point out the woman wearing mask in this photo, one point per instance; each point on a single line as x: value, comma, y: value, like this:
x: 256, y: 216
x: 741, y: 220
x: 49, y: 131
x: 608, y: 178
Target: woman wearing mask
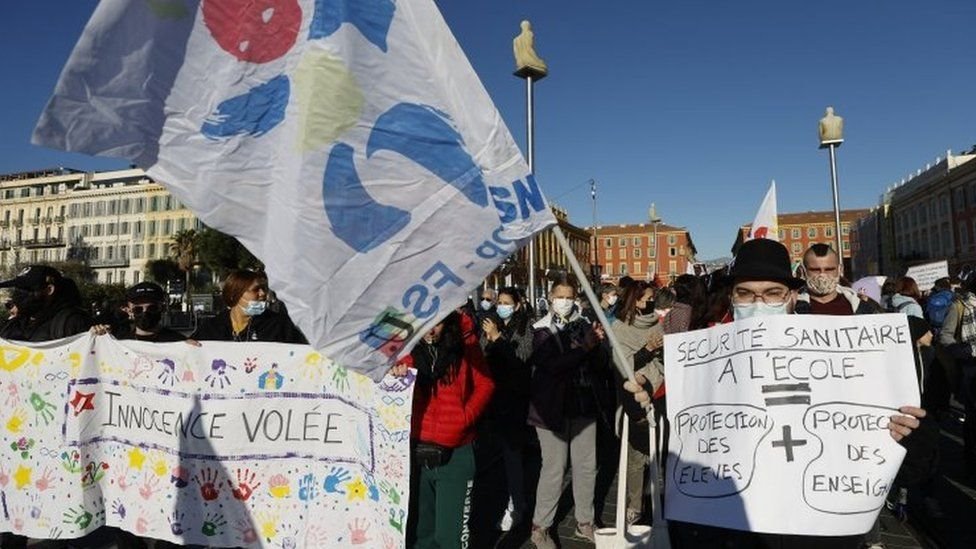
x: 247, y: 317
x: 507, y: 341
x: 452, y: 390
x: 639, y: 332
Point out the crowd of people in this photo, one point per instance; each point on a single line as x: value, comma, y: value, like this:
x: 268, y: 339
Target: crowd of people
x: 495, y: 379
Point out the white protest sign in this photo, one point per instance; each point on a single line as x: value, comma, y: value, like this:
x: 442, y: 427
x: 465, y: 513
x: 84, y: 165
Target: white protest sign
x: 926, y: 275
x: 779, y: 423
x: 224, y: 445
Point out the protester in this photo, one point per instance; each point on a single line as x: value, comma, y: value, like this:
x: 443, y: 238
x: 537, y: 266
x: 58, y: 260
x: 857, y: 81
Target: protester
x: 563, y: 408
x: 905, y: 299
x: 145, y: 304
x: 608, y: 299
x: 50, y: 308
x: 824, y: 294
x: 507, y: 342
x: 247, y: 318
x: 10, y: 329
x: 690, y: 307
x: 453, y: 388
x: 762, y: 284
x: 958, y: 337
x: 638, y: 329
x: 939, y: 385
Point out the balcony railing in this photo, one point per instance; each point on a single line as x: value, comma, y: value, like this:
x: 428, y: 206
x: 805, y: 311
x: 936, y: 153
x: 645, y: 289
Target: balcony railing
x: 115, y: 262
x: 43, y: 243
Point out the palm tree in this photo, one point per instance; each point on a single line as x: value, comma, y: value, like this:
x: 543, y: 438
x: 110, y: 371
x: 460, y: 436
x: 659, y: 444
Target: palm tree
x: 183, y: 249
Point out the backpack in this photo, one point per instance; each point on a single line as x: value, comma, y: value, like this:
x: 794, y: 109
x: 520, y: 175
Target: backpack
x: 891, y: 308
x: 937, y: 308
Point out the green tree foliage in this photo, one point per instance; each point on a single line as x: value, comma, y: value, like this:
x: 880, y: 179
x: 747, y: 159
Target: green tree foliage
x: 183, y: 250
x: 222, y: 253
x: 162, y: 271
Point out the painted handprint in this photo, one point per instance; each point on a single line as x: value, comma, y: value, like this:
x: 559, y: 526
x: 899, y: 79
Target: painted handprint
x: 159, y: 466
x: 337, y: 476
x: 140, y: 365
x: 176, y: 522
x: 142, y: 525
x: 13, y: 395
x: 213, y: 524
x: 246, y: 532
x: 118, y: 508
x: 122, y: 480
x: 167, y: 374
x: 150, y: 485
x: 44, y: 482
x: 16, y: 422
x: 79, y: 517
x: 357, y: 531
x: 390, y: 491
x: 389, y: 542
x: 279, y: 486
x: 179, y: 477
x: 245, y: 484
x: 371, y: 490
x: 340, y: 378
x: 209, y: 487
x: 4, y: 476
x: 313, y: 367
x: 218, y: 373
x: 43, y: 410
x: 397, y: 519
x: 306, y: 488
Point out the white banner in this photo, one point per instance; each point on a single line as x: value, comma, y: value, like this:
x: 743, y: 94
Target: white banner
x: 779, y: 423
x: 926, y: 275
x: 347, y: 143
x: 228, y: 444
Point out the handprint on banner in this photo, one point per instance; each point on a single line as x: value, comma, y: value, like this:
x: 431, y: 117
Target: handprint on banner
x: 279, y: 486
x: 122, y: 480
x: 150, y: 485
x: 340, y: 379
x: 16, y: 422
x: 43, y: 410
x: 4, y: 476
x: 141, y: 365
x: 142, y: 525
x: 176, y: 522
x: 218, y: 373
x: 36, y: 510
x: 209, y: 487
x: 316, y: 536
x: 268, y: 525
x: 390, y: 492
x: 213, y: 524
x: 246, y: 532
x: 118, y: 509
x: 306, y: 488
x: 357, y: 531
x: 159, y: 466
x: 55, y: 533
x: 13, y: 395
x: 371, y: 490
x: 43, y: 483
x: 314, y: 366
x: 245, y: 484
x: 337, y: 476
x: 80, y: 517
x: 167, y: 375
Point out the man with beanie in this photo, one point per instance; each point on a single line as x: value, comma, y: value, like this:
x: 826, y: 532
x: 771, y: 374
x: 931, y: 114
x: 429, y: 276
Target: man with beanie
x: 146, y: 303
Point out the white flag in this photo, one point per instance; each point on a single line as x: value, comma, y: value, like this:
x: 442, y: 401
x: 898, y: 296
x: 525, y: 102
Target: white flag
x: 347, y: 143
x: 765, y: 225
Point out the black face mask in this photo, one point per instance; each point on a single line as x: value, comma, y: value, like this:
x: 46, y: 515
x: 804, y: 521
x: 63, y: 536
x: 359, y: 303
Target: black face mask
x: 30, y: 303
x: 147, y: 319
x: 647, y: 309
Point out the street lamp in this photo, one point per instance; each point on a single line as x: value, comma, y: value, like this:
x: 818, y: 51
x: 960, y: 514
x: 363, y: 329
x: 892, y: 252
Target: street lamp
x: 655, y: 221
x: 831, y: 137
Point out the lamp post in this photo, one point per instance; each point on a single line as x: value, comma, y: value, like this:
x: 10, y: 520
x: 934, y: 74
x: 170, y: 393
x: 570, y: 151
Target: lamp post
x: 530, y: 67
x: 655, y: 221
x: 831, y: 137
x: 595, y: 269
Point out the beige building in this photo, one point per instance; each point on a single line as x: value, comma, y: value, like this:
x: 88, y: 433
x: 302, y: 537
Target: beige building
x: 117, y: 220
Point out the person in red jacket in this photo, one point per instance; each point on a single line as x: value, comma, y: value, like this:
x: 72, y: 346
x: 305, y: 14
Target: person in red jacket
x: 452, y: 390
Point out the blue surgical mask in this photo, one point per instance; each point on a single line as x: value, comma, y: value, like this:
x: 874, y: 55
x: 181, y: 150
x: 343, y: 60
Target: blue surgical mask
x: 255, y: 308
x: 758, y: 308
x: 505, y: 311
x: 485, y: 305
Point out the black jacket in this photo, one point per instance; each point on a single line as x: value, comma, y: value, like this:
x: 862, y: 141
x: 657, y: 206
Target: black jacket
x: 55, y: 322
x: 164, y: 335
x: 268, y: 326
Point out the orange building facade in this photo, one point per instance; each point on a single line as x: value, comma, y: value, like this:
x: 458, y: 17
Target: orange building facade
x: 630, y: 250
x: 799, y: 231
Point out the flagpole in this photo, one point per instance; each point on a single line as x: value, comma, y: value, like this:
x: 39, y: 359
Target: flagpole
x: 832, y: 136
x: 530, y: 153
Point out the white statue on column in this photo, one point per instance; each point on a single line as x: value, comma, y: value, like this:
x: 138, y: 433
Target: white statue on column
x: 526, y: 59
x: 831, y: 128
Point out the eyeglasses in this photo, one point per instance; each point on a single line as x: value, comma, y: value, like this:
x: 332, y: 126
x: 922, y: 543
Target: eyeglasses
x: 148, y: 307
x: 772, y: 296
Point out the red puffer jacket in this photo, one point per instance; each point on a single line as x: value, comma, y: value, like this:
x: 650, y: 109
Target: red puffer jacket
x: 446, y: 413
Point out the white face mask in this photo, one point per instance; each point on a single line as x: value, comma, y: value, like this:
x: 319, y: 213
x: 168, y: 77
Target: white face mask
x: 611, y: 300
x: 822, y: 284
x: 485, y: 304
x: 758, y: 308
x: 505, y: 311
x: 562, y: 306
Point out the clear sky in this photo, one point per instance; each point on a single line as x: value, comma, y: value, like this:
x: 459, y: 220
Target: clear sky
x: 694, y: 105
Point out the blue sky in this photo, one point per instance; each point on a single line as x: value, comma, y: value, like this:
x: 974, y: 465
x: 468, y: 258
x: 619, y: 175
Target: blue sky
x: 693, y: 105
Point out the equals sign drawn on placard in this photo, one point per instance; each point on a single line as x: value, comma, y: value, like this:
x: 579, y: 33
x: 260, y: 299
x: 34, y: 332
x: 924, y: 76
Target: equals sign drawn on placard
x: 787, y: 388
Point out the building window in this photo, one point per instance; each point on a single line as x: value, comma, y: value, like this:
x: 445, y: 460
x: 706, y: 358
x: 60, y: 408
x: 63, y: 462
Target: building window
x: 782, y: 234
x: 637, y: 253
x: 122, y: 277
x: 959, y: 199
x: 623, y: 253
x: 797, y: 247
x: 672, y: 240
x: 135, y: 277
x: 637, y: 241
x: 608, y: 254
x: 98, y: 229
x: 621, y: 242
x: 672, y: 252
x: 125, y: 228
x: 610, y: 269
x: 167, y: 226
x: 152, y: 252
x: 636, y: 268
x: 153, y: 203
x: 126, y: 206
x: 672, y: 267
x: 829, y: 232
x: 811, y: 232
x: 608, y: 242
x: 847, y: 246
x: 651, y: 252
x: 623, y: 269
x: 140, y: 205
x: 108, y: 277
x: 137, y: 251
x: 795, y: 233
x: 152, y: 228
x: 652, y: 267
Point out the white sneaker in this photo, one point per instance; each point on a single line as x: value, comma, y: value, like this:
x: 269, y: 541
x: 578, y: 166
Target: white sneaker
x: 509, y: 518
